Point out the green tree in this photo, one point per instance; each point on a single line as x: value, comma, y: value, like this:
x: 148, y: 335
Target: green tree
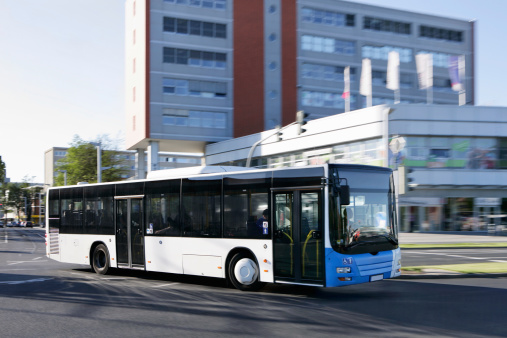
x: 18, y: 197
x: 2, y: 172
x: 80, y: 164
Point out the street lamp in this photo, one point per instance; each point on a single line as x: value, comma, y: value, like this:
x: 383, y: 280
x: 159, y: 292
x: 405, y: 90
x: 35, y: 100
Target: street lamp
x: 64, y: 176
x: 99, y: 161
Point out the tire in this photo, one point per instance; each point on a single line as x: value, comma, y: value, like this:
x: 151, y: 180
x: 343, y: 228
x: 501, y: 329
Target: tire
x: 244, y: 273
x: 100, y: 259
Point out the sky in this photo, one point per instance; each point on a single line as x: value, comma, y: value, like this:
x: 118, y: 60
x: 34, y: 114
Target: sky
x: 62, y: 70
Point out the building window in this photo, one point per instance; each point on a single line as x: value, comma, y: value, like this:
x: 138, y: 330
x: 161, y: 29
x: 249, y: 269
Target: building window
x: 384, y: 25
x: 326, y: 100
x: 211, y: 4
x: 382, y: 52
x: 440, y: 34
x: 194, y: 58
x: 193, y: 27
x: 204, y: 89
x: 441, y: 84
x: 328, y: 45
x: 439, y: 59
x: 326, y: 72
x: 194, y: 118
x: 328, y: 18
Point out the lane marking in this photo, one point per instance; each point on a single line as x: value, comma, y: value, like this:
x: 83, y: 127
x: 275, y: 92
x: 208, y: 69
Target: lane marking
x: 163, y: 285
x: 21, y: 262
x: 16, y: 282
x: 487, y: 259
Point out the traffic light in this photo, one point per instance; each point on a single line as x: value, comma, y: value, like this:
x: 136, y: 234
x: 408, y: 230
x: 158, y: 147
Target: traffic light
x: 278, y: 133
x: 301, y: 120
x: 405, y: 181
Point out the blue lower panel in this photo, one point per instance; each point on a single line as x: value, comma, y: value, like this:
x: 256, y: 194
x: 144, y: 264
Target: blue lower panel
x: 363, y: 267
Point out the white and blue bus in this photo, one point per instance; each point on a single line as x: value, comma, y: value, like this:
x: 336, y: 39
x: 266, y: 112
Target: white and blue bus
x: 328, y: 225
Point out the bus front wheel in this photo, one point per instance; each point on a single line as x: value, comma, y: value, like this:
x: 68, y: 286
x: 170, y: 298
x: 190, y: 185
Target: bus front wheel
x: 100, y: 259
x: 244, y: 273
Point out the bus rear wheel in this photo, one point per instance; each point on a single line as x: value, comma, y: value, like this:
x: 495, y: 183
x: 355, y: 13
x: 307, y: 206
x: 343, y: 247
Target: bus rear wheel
x: 244, y: 273
x: 100, y: 259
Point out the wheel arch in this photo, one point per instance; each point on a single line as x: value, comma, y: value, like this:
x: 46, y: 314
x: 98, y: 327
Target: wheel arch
x: 233, y: 252
x: 92, y: 249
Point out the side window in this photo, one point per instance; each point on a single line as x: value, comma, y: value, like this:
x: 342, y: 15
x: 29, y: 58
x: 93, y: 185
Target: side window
x: 201, y: 207
x: 98, y: 210
x: 246, y: 206
x: 163, y: 208
x: 71, y: 206
x: 53, y: 211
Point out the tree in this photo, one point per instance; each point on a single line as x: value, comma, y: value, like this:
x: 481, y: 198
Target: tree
x: 80, y: 164
x: 18, y: 197
x: 2, y: 172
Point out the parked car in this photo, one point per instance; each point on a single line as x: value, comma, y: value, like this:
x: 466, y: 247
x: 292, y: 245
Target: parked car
x: 29, y: 224
x: 1, y: 224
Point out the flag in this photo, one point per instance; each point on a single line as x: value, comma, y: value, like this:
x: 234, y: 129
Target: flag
x: 365, y: 85
x: 424, y: 63
x: 393, y: 71
x: 346, y: 80
x: 457, y: 72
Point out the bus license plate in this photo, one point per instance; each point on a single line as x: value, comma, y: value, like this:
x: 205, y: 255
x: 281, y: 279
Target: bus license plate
x: 376, y: 278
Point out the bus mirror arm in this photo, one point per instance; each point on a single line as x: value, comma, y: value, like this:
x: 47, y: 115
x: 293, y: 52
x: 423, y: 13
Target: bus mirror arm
x: 344, y: 192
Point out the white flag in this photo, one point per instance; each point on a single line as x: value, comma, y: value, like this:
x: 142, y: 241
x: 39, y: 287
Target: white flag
x: 424, y: 63
x: 393, y: 71
x: 346, y: 80
x: 365, y: 85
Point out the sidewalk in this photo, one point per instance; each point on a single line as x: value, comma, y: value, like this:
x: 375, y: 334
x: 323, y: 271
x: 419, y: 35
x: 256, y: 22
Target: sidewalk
x: 448, y: 238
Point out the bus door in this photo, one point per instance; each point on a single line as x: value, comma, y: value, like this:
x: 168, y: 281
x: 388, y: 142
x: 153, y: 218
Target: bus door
x: 298, y: 236
x: 129, y: 232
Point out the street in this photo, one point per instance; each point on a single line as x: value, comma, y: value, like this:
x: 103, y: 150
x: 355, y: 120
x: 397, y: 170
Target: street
x: 46, y: 298
x: 418, y: 257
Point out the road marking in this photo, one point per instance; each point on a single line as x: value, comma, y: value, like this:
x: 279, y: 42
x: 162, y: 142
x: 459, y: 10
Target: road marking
x: 15, y: 282
x: 162, y: 285
x: 458, y: 256
x: 21, y: 262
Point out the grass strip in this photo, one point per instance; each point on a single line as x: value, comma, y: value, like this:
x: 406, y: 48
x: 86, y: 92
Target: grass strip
x: 490, y: 267
x: 454, y: 245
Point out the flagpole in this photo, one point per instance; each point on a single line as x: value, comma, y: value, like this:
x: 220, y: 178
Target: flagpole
x: 346, y: 89
x: 461, y: 70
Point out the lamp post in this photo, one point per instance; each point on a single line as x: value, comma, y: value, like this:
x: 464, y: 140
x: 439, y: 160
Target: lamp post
x: 99, y: 161
x: 64, y: 176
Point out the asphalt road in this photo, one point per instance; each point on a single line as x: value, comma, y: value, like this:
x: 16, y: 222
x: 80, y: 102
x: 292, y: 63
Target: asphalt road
x: 50, y: 299
x: 419, y: 257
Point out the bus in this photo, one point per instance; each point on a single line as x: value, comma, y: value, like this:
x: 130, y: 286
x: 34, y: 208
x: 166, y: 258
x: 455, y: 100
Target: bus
x: 327, y: 225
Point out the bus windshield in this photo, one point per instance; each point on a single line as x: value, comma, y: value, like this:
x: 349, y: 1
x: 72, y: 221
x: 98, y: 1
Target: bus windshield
x: 367, y: 218
x: 368, y: 223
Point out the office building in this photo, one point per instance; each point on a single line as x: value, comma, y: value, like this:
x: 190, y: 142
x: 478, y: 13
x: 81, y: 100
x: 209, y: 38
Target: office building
x: 457, y: 156
x: 204, y: 71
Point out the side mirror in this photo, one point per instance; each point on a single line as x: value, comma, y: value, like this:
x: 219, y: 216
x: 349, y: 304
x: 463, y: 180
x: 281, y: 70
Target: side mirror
x: 344, y: 191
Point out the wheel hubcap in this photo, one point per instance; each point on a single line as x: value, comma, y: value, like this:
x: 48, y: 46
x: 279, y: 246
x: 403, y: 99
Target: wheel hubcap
x: 246, y: 271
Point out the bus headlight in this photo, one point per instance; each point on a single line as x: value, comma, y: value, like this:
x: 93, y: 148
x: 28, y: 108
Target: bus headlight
x: 343, y: 270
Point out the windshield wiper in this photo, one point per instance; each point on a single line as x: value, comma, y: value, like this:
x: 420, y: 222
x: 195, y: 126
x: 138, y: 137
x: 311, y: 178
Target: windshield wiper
x: 390, y: 238
x: 353, y: 245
